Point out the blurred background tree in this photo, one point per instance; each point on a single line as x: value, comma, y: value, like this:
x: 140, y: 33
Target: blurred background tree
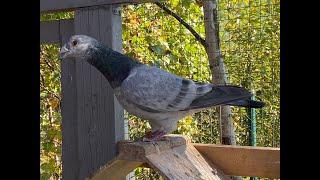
x: 249, y: 39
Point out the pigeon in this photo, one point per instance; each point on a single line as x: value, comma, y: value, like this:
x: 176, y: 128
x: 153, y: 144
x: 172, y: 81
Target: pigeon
x: 151, y: 93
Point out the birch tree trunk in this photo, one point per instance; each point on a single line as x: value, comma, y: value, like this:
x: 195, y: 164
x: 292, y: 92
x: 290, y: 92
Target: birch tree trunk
x: 218, y: 71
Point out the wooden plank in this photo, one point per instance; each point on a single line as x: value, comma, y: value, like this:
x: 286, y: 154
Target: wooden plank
x: 66, y: 29
x: 92, y: 119
x: 243, y: 160
x: 49, y: 32
x: 69, y: 103
x: 178, y: 158
x: 175, y: 158
x: 115, y: 170
x: 54, y: 31
x: 184, y: 162
x: 99, y: 116
x: 69, y: 118
x: 69, y: 5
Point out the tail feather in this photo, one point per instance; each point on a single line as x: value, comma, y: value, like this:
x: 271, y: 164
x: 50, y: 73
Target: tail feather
x: 226, y: 95
x: 220, y: 95
x: 247, y: 103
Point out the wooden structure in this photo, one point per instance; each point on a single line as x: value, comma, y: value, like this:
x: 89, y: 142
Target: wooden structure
x: 177, y: 158
x: 92, y: 119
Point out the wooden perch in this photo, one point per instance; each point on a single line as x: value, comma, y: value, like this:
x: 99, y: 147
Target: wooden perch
x: 174, y: 158
x: 117, y: 169
x: 177, y: 158
x: 243, y: 160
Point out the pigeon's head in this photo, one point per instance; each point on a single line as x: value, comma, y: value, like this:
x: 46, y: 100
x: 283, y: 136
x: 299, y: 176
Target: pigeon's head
x: 78, y: 46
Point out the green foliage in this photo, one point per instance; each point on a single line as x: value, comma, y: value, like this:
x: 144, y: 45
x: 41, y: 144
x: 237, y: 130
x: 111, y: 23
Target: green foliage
x: 142, y: 173
x: 251, y: 49
x: 56, y: 16
x: 50, y: 116
x: 249, y: 34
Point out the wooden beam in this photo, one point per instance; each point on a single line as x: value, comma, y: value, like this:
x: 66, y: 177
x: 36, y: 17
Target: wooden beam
x: 49, y: 32
x: 178, y: 158
x: 55, y: 31
x: 68, y: 104
x: 92, y: 119
x: 174, y: 158
x: 184, y: 162
x: 243, y: 160
x: 69, y: 5
x: 116, y: 169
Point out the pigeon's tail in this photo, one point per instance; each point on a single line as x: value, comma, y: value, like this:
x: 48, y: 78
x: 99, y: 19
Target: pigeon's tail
x: 247, y: 103
x: 226, y: 95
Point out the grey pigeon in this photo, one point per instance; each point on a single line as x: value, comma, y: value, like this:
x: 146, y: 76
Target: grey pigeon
x: 151, y: 93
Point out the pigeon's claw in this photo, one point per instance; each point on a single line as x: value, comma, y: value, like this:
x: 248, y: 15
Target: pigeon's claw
x: 154, y: 136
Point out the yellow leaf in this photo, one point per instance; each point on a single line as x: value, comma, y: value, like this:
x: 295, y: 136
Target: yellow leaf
x: 54, y: 103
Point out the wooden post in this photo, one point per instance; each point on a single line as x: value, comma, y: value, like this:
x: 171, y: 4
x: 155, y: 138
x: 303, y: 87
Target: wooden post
x: 92, y: 119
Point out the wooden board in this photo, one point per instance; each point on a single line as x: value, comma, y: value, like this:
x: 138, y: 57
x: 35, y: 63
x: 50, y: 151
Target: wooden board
x: 115, y: 170
x: 55, y: 31
x: 49, y: 32
x: 178, y: 158
x: 243, y: 160
x: 68, y: 5
x: 184, y: 163
x: 69, y: 114
x: 92, y: 120
x: 174, y: 158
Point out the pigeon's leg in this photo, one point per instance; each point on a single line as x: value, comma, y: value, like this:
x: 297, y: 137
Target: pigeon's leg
x: 154, y: 136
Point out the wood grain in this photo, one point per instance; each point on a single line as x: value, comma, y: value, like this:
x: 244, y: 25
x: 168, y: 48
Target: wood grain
x: 115, y: 170
x: 183, y: 163
x: 175, y: 158
x: 243, y: 160
x: 92, y: 119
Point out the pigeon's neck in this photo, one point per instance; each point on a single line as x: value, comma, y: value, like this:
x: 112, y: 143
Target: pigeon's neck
x: 113, y: 65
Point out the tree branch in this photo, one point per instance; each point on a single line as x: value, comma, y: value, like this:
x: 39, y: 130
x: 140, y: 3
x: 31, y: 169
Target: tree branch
x: 186, y: 25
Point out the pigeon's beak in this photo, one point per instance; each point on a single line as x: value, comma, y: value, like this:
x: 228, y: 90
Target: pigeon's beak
x: 64, y: 52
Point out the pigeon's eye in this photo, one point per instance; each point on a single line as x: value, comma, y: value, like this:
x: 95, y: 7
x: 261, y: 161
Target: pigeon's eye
x: 74, y: 43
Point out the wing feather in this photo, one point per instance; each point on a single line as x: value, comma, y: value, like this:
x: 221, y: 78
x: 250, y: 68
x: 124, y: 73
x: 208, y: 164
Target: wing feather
x: 155, y: 90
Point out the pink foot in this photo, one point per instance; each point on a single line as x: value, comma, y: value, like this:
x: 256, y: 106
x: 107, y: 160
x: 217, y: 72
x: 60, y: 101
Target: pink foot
x: 154, y: 136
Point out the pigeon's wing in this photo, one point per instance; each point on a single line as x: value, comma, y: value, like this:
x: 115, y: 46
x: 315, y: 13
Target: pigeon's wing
x: 155, y: 90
